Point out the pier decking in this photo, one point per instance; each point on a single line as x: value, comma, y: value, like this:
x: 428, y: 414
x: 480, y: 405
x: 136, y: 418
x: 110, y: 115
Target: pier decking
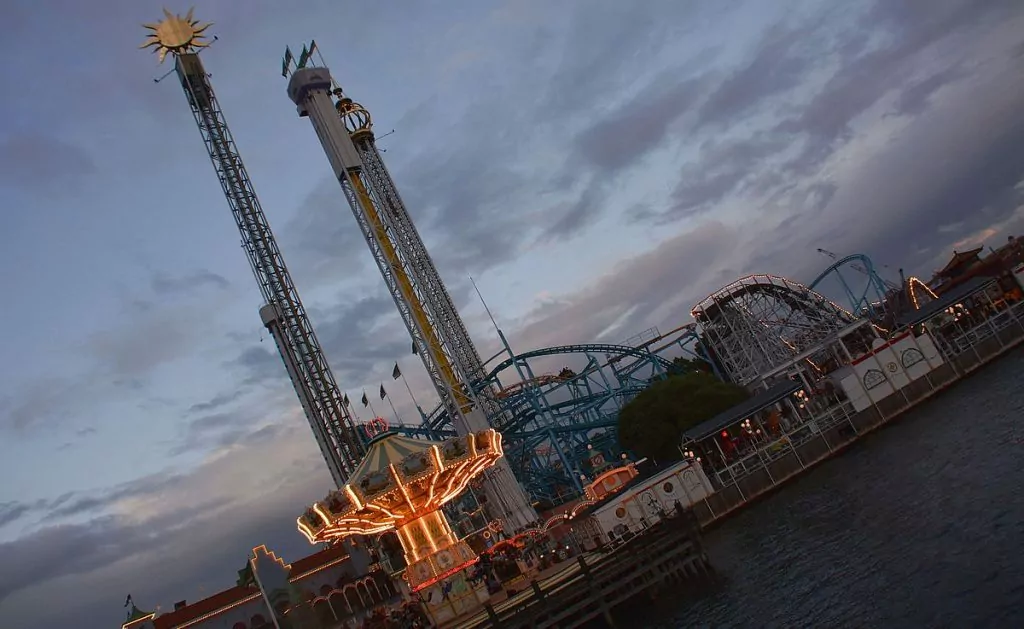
x: 670, y: 553
x: 667, y: 555
x: 832, y: 431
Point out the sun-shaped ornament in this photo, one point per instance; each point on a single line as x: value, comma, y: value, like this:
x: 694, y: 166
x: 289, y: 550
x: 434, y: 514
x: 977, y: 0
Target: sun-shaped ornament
x: 175, y: 34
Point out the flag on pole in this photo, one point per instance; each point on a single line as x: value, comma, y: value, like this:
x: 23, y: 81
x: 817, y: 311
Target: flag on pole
x: 312, y: 47
x: 303, y: 58
x: 396, y: 373
x: 414, y: 350
x: 383, y: 393
x: 287, y: 61
x: 345, y: 401
x: 364, y: 400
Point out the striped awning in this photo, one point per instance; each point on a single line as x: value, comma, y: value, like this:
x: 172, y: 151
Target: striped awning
x: 387, y: 451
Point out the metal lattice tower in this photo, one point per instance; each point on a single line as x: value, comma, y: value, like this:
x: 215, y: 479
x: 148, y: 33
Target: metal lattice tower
x: 283, y: 313
x: 762, y: 321
x: 440, y: 338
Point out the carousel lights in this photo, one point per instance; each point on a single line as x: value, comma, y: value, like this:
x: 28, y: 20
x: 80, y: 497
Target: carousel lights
x: 446, y: 574
x: 401, y: 485
x: 357, y: 510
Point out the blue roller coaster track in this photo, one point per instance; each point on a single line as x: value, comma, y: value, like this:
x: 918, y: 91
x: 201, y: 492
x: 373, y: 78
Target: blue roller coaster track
x: 862, y: 302
x: 560, y: 406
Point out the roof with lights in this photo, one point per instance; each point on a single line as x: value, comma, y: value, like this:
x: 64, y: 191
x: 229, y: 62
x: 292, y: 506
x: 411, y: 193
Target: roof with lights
x: 385, y: 450
x: 399, y: 480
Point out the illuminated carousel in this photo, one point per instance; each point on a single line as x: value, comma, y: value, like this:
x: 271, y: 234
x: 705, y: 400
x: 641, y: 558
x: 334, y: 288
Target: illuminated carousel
x: 401, y: 484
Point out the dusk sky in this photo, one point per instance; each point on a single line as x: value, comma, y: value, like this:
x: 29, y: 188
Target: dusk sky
x: 598, y: 167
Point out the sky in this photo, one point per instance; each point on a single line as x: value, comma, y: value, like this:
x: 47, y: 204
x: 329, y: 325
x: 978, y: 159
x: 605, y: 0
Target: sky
x: 598, y: 167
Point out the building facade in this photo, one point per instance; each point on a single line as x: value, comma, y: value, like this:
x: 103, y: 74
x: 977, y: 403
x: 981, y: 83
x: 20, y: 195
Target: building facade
x: 329, y: 588
x: 640, y: 503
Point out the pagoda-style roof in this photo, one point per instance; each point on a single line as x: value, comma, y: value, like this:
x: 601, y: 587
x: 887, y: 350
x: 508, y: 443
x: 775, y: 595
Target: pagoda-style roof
x: 959, y: 259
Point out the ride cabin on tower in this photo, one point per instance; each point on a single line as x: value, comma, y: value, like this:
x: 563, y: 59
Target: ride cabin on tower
x: 282, y: 313
x: 440, y: 338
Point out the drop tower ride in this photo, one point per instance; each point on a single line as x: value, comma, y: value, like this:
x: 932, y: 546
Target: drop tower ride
x: 440, y: 338
x: 282, y: 312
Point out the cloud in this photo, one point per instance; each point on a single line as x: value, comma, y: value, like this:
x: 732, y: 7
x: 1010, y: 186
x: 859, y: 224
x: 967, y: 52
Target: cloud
x: 164, y: 285
x: 640, y: 292
x: 878, y: 132
x: 632, y: 130
x: 231, y: 428
x: 355, y: 335
x: 778, y: 63
x: 43, y: 164
x: 321, y: 240
x: 216, y: 402
x: 207, y: 520
x: 494, y: 176
x: 12, y: 512
x: 158, y: 322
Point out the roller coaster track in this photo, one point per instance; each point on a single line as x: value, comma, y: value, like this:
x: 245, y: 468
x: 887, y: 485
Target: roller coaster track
x: 862, y: 264
x: 573, y: 349
x: 760, y: 321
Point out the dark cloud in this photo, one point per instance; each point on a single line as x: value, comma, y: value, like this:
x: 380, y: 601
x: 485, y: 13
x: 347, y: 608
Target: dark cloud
x: 916, y: 98
x: 260, y: 362
x: 41, y: 401
x: 960, y: 164
x: 478, y: 192
x: 778, y: 63
x: 216, y: 402
x: 724, y: 167
x: 493, y: 173
x: 224, y: 429
x: 640, y: 125
x: 321, y: 241
x: 75, y: 504
x: 355, y: 334
x: 638, y: 293
x: 40, y: 164
x: 12, y: 512
x: 866, y: 74
x: 164, y: 285
x: 189, y: 544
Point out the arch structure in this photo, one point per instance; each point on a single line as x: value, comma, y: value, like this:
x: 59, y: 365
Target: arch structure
x: 348, y: 599
x: 559, y: 407
x: 760, y: 322
x: 868, y: 295
x: 863, y: 289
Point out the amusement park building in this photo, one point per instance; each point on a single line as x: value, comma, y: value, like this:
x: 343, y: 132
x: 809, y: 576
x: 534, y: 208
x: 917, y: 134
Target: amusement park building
x: 633, y: 504
x: 965, y: 265
x: 339, y: 582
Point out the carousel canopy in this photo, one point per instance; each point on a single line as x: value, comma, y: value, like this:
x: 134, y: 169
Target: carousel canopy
x: 386, y: 450
x: 399, y: 480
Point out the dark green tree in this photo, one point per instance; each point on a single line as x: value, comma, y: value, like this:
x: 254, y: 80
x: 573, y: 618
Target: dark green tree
x: 652, y: 423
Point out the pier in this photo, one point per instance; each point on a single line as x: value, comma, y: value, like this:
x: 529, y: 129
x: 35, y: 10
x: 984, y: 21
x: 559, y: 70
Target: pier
x: 830, y: 424
x: 667, y: 558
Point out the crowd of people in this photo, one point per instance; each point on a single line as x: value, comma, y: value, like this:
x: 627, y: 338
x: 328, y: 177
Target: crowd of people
x: 409, y: 615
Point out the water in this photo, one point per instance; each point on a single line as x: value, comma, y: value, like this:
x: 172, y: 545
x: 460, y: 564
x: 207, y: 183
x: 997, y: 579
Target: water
x: 919, y: 525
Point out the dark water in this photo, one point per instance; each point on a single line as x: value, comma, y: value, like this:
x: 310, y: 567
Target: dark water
x: 919, y: 525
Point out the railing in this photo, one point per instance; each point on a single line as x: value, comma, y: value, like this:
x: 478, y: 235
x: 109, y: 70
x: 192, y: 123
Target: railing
x: 782, y: 444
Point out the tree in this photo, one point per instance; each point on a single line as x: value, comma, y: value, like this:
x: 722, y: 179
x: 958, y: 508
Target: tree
x: 653, y: 422
x: 681, y: 365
